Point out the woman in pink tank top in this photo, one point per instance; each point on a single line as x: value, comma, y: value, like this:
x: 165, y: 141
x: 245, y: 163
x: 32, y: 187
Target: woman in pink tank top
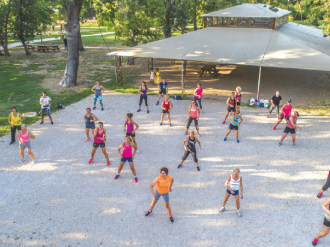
x: 130, y: 128
x: 127, y: 155
x: 285, y: 113
x: 291, y: 127
x: 198, y: 94
x: 99, y: 141
x: 23, y: 138
x: 193, y: 115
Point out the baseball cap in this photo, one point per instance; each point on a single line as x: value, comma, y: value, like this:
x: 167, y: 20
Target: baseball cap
x: 289, y: 100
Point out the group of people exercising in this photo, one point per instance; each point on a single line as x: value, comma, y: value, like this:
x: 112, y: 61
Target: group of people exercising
x: 164, y: 182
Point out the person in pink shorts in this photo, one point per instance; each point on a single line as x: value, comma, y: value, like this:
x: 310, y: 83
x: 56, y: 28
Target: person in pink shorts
x: 198, y: 94
x: 285, y: 113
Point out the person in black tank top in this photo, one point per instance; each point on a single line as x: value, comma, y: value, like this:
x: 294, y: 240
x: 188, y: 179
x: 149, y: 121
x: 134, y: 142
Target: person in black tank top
x: 90, y: 119
x: 238, y: 95
x: 326, y: 222
x: 190, y: 148
x: 232, y: 103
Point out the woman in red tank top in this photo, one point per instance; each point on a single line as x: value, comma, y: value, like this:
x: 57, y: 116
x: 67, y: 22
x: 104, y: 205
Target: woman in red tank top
x: 99, y: 141
x: 167, y: 107
x: 127, y: 155
x: 291, y: 127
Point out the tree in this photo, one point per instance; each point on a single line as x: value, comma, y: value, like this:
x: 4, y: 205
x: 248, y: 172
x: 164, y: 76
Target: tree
x: 5, y: 7
x: 72, y: 29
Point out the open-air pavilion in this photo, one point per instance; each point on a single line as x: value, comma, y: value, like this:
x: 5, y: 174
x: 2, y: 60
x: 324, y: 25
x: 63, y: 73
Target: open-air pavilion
x: 247, y: 34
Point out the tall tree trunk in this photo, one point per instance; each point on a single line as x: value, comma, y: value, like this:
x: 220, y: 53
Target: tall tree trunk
x: 72, y: 29
x: 5, y: 43
x: 195, y: 15
x: 81, y: 47
x: 167, y: 26
x: 21, y: 32
x: 5, y: 48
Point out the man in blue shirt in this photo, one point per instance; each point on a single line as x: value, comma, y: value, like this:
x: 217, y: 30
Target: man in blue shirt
x: 163, y: 89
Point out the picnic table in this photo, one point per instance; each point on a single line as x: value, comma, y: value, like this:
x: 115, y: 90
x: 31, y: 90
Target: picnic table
x: 212, y: 69
x: 44, y: 47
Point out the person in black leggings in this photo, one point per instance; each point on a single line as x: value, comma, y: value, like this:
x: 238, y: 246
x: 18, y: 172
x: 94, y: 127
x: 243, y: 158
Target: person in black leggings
x: 326, y: 222
x: 190, y: 148
x: 325, y: 186
x: 193, y: 115
x: 232, y: 103
x: 276, y: 102
x: 143, y: 91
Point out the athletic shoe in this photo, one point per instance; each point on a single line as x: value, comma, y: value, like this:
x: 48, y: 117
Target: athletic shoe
x: 222, y: 209
x: 237, y: 141
x: 279, y: 144
x: 94, y: 108
x: 161, y: 124
x: 41, y: 122
x: 171, y: 219
x: 179, y: 166
x: 147, y: 111
x: 274, y: 127
x: 34, y: 162
x: 267, y: 116
x: 186, y: 133
x: 135, y: 179
x: 202, y: 111
x: 239, y: 213
x: 90, y: 161
x: 117, y: 176
x: 315, y: 242
x: 108, y: 162
x: 137, y: 151
x: 319, y: 195
x: 223, y: 122
x: 198, y: 169
x: 170, y: 125
x: 157, y: 103
x: 294, y: 145
x: 87, y: 139
x: 138, y: 110
x: 102, y: 109
x: 148, y: 213
x: 225, y: 139
x: 52, y: 122
x: 12, y: 143
x: 22, y: 160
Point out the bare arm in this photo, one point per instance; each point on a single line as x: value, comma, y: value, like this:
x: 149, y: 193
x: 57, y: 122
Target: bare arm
x: 22, y: 118
x: 282, y: 108
x: 18, y: 136
x: 226, y: 184
x: 325, y: 204
x: 272, y: 101
x: 240, y: 119
x: 102, y: 89
x: 139, y: 90
x: 125, y: 126
x: 184, y: 143
x: 120, y: 147
x: 171, y: 106
x: 9, y: 120
x: 95, y: 117
x: 199, y: 112
x: 195, y: 93
x: 170, y: 187
x: 50, y: 102
x: 241, y: 185
x: 133, y: 146
x: 93, y: 89
x: 162, y: 105
x: 31, y: 136
x: 188, y: 112
x: 136, y: 126
x: 199, y: 143
x: 166, y: 89
x: 152, y: 189
x: 85, y: 117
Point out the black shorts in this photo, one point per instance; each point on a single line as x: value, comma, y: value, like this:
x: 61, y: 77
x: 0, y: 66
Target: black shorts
x: 287, y: 130
x: 167, y: 112
x: 281, y: 117
x: 230, y: 109
x: 96, y: 145
x: 232, y: 127
x: 239, y: 103
x: 326, y: 222
x: 130, y: 134
x: 162, y: 92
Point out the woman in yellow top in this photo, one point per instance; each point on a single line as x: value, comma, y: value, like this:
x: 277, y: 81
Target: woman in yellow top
x: 15, y: 120
x: 157, y: 78
x: 163, y: 184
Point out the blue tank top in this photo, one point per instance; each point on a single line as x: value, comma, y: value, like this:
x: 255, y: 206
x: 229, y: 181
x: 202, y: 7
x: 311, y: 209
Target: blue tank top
x: 88, y: 119
x: 143, y: 92
x: 98, y: 90
x: 235, y: 120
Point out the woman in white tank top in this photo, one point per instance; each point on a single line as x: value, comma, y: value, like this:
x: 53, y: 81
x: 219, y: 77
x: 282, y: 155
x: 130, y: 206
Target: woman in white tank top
x: 234, y: 185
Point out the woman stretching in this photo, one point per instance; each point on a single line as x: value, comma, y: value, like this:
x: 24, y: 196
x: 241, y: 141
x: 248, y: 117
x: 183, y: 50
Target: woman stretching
x: 285, y: 113
x: 190, y: 148
x: 99, y: 141
x: 127, y: 155
x: 98, y: 90
x: 15, y: 120
x: 130, y: 128
x: 239, y: 96
x: 234, y: 125
x: 233, y: 184
x: 193, y: 115
x: 326, y: 222
x: 23, y: 138
x: 231, y: 102
x: 198, y: 94
x: 291, y: 127
x: 90, y: 119
x: 163, y: 184
x: 325, y: 186
x: 143, y: 91
x: 167, y: 107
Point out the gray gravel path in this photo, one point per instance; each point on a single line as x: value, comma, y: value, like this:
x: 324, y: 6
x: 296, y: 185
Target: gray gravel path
x: 64, y: 201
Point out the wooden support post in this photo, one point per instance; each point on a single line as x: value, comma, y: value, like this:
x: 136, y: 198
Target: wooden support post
x: 258, y: 94
x: 184, y: 74
x: 150, y: 64
x: 249, y: 22
x: 205, y: 22
x: 273, y: 26
x: 118, y: 71
x: 227, y: 24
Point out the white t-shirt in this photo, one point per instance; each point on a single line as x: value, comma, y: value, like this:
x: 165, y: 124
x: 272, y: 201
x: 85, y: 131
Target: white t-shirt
x: 45, y: 100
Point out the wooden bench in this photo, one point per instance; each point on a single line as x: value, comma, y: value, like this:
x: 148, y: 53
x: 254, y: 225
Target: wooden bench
x: 44, y: 47
x: 212, y: 69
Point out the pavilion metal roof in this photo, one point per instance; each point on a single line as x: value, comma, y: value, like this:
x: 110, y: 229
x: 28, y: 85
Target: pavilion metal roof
x: 291, y: 46
x: 249, y: 10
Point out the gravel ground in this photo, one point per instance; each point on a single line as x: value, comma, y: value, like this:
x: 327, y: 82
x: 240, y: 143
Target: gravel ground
x: 64, y: 201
